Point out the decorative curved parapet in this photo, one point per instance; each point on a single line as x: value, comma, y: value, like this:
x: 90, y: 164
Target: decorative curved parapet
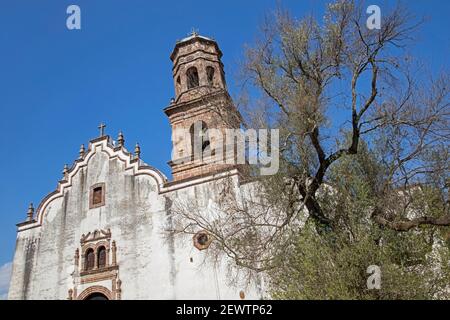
x: 131, y: 163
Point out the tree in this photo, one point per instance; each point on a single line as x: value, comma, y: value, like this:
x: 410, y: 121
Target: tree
x: 364, y: 157
x: 414, y: 264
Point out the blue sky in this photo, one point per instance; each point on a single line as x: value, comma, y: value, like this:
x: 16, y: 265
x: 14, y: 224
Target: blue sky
x: 57, y: 85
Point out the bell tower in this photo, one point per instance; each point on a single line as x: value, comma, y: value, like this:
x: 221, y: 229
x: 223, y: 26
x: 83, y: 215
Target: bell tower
x: 201, y: 111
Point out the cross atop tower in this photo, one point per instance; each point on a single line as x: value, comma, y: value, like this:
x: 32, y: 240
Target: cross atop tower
x: 102, y: 127
x: 194, y: 32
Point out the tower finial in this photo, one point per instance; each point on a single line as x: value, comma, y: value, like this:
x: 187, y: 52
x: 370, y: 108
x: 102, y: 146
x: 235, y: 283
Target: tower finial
x: 30, y: 212
x: 194, y: 32
x: 102, y: 127
x: 82, y: 151
x: 65, y: 171
x: 120, y: 139
x: 137, y: 151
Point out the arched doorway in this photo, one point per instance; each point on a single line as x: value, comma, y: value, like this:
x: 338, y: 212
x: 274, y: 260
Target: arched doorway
x: 96, y: 296
x: 96, y: 293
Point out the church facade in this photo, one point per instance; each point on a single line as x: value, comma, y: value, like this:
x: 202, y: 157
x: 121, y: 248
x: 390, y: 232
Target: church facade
x: 104, y: 233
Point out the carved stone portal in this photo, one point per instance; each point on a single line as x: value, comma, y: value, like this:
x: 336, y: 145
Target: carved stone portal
x: 98, y: 263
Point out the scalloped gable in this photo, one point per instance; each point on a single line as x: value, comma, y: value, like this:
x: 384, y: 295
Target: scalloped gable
x: 101, y: 144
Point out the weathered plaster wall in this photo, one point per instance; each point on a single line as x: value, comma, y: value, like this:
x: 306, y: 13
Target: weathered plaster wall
x: 152, y: 264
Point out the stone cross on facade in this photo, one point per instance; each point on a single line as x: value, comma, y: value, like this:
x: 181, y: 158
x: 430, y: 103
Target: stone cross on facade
x: 102, y: 127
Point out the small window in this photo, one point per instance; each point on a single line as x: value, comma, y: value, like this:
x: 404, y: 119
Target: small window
x: 178, y: 86
x: 199, y: 137
x: 222, y: 78
x: 101, y: 257
x: 210, y: 75
x: 89, y: 259
x: 202, y: 240
x: 192, y: 78
x: 97, y: 196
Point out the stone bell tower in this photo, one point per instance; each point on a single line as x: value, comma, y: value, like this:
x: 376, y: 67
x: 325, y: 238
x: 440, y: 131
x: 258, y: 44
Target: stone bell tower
x: 201, y: 111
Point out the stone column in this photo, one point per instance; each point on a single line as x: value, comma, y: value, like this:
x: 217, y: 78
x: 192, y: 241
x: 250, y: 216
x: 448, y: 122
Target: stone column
x: 107, y: 257
x: 77, y: 259
x: 114, y: 254
x: 70, y: 294
x: 119, y: 290
x: 95, y: 259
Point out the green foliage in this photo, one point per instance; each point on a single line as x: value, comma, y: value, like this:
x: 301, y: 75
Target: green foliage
x: 321, y: 269
x: 414, y: 264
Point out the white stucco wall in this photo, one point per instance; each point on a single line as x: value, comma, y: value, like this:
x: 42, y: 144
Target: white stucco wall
x: 152, y: 263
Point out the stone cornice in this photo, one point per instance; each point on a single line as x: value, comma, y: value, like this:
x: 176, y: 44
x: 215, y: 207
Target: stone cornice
x: 192, y: 40
x: 217, y: 93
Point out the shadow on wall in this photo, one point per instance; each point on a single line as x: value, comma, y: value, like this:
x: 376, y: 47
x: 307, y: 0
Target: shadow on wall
x: 5, y: 277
